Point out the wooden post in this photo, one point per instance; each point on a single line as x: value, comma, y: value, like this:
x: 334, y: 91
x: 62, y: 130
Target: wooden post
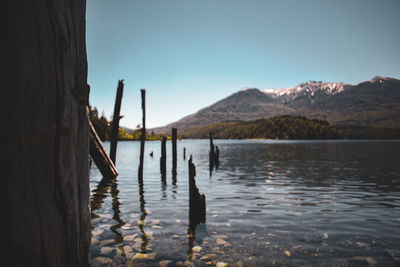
x: 143, y: 136
x: 197, y: 202
x: 174, y: 156
x: 216, y: 158
x: 115, y: 121
x: 211, y: 144
x: 163, y: 158
x: 184, y: 153
x: 100, y: 156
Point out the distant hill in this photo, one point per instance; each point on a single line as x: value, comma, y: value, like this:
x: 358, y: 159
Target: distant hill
x: 282, y: 127
x: 371, y: 103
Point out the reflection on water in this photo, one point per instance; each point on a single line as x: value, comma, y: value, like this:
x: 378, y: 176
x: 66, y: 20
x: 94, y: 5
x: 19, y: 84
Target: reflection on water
x: 143, y: 216
x: 115, y: 206
x: 288, y: 202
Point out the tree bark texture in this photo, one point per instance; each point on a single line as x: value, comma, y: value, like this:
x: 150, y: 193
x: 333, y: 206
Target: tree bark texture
x: 45, y: 176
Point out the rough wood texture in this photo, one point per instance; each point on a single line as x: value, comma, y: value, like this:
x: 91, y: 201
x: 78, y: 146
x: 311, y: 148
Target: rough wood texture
x: 197, y: 202
x: 174, y: 155
x: 143, y: 135
x: 115, y: 121
x: 100, y: 156
x: 163, y: 158
x: 45, y: 173
x: 211, y: 144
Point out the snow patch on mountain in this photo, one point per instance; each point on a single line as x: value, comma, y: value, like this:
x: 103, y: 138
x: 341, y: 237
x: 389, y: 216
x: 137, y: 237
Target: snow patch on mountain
x: 310, y: 89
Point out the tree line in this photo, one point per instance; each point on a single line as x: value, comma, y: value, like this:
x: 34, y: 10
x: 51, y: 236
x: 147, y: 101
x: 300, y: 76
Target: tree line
x: 103, y: 128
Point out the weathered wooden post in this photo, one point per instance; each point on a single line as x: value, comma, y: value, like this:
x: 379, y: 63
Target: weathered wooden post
x: 163, y: 158
x: 174, y: 155
x: 216, y: 157
x: 211, y: 144
x: 100, y: 156
x: 44, y: 174
x: 115, y: 121
x: 143, y: 136
x: 197, y: 202
x: 211, y: 154
x: 184, y: 153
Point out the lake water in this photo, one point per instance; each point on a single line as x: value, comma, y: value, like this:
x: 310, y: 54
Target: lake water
x: 287, y: 203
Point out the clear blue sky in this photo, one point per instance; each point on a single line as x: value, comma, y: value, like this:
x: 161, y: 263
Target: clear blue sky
x: 188, y: 54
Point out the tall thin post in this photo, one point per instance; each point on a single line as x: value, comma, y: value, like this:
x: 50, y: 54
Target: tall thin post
x: 115, y: 121
x: 184, y: 153
x: 174, y: 156
x: 212, y: 154
x: 163, y: 159
x: 216, y: 157
x: 143, y: 136
x: 211, y: 144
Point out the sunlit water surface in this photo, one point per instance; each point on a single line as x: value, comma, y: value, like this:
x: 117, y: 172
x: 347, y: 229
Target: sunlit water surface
x: 270, y: 202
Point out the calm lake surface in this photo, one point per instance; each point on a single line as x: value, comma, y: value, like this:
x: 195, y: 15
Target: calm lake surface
x: 287, y: 203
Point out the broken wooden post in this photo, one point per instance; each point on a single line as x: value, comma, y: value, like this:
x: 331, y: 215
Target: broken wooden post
x: 163, y: 158
x: 197, y: 202
x: 184, y: 153
x: 211, y: 154
x: 211, y: 144
x: 100, y: 156
x: 115, y: 121
x: 174, y: 156
x: 143, y: 135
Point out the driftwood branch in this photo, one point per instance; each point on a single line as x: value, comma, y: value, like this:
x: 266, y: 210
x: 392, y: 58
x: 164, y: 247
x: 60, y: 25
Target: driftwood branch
x: 100, y: 156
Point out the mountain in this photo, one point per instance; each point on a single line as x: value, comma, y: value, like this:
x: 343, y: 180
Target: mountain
x: 306, y: 93
x: 372, y: 103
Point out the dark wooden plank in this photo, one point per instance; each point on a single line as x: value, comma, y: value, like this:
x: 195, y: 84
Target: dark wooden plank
x: 100, y: 156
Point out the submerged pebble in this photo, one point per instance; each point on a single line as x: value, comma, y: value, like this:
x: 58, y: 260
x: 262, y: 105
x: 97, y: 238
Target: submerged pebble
x: 100, y: 261
x: 130, y: 237
x: 98, y: 232
x: 222, y: 242
x: 106, y: 250
x: 208, y: 257
x: 140, y: 256
x: 165, y: 263
x: 196, y: 249
x: 362, y: 244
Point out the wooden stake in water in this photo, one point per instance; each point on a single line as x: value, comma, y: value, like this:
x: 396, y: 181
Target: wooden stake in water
x: 197, y: 202
x: 115, y: 121
x: 211, y: 144
x: 163, y: 158
x: 143, y: 135
x: 174, y: 155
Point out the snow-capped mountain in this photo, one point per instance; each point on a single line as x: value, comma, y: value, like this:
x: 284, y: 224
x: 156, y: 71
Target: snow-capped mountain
x: 310, y: 90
